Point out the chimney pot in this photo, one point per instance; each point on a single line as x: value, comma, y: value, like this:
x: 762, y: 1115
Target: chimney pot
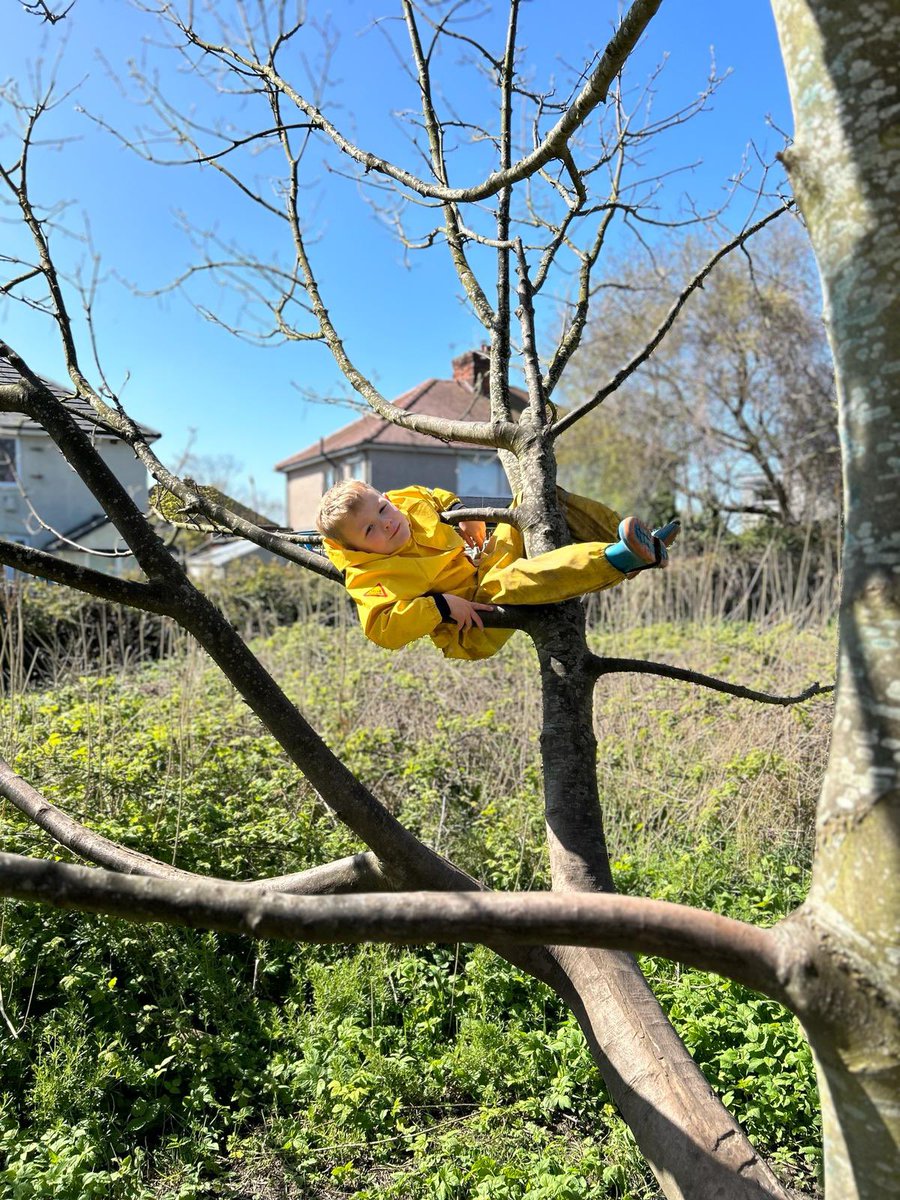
x: 472, y: 370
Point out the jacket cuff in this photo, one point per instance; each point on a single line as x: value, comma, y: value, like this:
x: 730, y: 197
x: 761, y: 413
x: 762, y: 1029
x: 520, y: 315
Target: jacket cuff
x: 442, y: 606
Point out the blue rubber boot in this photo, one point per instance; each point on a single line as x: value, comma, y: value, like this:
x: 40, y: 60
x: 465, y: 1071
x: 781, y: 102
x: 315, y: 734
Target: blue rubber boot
x: 637, y: 548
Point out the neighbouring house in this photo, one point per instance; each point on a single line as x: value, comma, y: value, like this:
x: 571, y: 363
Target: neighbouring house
x: 755, y: 492
x: 221, y: 554
x: 44, y: 503
x: 388, y: 456
x: 218, y: 558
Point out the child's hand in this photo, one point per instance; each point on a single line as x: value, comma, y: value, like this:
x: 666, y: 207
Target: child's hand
x: 472, y: 533
x: 465, y: 612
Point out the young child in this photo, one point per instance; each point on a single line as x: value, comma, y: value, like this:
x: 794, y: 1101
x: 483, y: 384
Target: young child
x: 410, y: 577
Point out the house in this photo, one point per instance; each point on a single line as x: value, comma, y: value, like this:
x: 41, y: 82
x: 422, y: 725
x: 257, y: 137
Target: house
x: 757, y: 501
x: 44, y: 503
x: 219, y: 555
x: 217, y: 558
x: 388, y: 456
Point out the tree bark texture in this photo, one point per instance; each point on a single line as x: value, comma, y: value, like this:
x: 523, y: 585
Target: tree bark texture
x: 841, y: 63
x: 694, y: 1146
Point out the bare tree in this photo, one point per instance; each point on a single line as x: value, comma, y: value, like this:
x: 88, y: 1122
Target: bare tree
x: 736, y: 412
x: 830, y: 961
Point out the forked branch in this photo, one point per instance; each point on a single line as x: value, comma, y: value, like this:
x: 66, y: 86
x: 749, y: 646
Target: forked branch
x: 40, y: 8
x: 554, y: 145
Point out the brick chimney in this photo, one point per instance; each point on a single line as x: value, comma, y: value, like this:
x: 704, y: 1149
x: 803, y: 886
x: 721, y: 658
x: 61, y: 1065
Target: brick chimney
x: 472, y: 370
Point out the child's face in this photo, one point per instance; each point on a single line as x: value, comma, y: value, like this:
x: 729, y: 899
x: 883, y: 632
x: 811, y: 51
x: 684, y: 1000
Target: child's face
x: 375, y: 526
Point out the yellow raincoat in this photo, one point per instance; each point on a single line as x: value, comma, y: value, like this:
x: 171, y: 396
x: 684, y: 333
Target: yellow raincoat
x: 393, y: 593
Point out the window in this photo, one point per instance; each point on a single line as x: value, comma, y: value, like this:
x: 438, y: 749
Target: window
x: 480, y: 475
x: 7, y: 460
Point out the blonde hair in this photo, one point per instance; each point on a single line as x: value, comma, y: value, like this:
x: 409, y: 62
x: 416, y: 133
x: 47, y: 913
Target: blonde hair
x: 337, y: 503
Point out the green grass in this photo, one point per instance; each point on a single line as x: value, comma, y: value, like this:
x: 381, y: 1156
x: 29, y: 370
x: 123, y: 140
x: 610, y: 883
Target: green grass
x: 154, y: 1062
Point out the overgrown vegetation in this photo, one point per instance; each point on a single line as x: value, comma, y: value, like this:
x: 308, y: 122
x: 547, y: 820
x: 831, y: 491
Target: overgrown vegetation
x: 47, y: 633
x: 164, y: 1063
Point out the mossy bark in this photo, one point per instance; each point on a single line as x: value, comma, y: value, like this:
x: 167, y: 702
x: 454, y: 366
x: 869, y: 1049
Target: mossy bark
x: 841, y: 62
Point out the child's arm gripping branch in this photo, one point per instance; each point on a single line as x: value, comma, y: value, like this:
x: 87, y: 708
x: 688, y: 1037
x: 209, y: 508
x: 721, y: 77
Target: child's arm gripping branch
x: 463, y: 612
x: 395, y: 623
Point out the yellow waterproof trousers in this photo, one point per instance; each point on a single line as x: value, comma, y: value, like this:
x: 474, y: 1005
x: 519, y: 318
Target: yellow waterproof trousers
x: 506, y: 576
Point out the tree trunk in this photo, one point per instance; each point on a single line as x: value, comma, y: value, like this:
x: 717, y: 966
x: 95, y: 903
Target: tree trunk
x: 693, y: 1144
x: 841, y: 62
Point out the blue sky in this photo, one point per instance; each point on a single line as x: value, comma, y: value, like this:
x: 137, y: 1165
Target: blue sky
x: 401, y: 323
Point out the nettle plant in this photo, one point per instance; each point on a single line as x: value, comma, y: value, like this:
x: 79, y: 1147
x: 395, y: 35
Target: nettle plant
x: 510, y: 226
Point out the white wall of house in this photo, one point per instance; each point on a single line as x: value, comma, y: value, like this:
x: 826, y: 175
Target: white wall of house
x: 104, y: 539
x: 52, y: 487
x: 305, y: 488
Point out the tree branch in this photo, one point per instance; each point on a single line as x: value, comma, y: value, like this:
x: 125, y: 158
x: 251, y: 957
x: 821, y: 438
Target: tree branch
x: 198, y: 499
x: 494, y: 434
x: 553, y: 146
x: 452, y: 222
x: 41, y: 9
x: 599, y: 666
x: 149, y: 596
x: 498, y: 378
x: 6, y: 288
x: 358, y: 872
x: 690, y: 936
x: 571, y: 337
x: 491, y: 516
x: 537, y: 397
x: 619, y: 378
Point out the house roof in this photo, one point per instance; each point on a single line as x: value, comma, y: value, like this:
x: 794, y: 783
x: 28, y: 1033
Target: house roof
x: 80, y: 409
x: 450, y: 398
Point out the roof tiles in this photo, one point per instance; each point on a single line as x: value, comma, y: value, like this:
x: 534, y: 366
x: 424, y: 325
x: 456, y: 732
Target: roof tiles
x: 435, y: 397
